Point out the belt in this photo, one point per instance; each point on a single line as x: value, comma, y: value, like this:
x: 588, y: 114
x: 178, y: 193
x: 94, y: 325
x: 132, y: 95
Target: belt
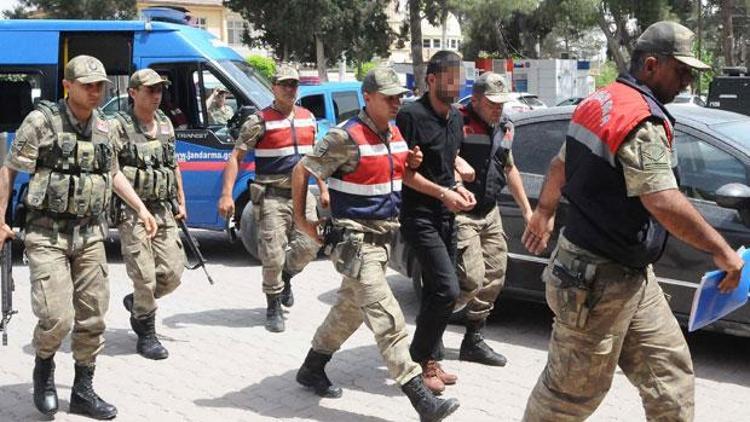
x: 59, y: 223
x: 280, y: 192
x: 378, y: 239
x: 608, y: 270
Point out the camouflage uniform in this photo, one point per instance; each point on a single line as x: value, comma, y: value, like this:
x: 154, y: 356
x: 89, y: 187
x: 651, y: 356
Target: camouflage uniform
x: 154, y: 265
x: 280, y: 246
x: 630, y: 325
x: 367, y: 297
x: 67, y: 262
x: 219, y: 115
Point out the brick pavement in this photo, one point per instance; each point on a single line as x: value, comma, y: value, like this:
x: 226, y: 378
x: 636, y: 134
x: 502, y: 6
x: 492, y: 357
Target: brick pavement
x: 224, y: 366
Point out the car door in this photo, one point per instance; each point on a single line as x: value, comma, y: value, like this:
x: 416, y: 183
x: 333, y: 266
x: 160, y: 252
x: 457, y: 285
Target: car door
x: 705, y: 163
x: 536, y: 141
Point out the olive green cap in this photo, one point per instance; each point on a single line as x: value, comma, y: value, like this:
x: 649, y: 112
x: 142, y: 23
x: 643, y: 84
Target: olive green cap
x: 670, y: 39
x: 146, y: 77
x: 384, y: 80
x: 85, y: 69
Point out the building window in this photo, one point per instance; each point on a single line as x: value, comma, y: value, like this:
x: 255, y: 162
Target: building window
x: 200, y: 23
x: 454, y: 43
x: 235, y: 28
x: 436, y: 43
x: 426, y: 43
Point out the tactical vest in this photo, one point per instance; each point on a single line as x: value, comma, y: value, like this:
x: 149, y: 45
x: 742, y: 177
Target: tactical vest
x: 486, y: 149
x: 372, y: 191
x: 72, y: 177
x: 284, y: 141
x: 149, y: 164
x: 602, y: 218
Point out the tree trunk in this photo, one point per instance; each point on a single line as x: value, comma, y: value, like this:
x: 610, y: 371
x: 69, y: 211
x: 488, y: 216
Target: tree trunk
x: 415, y: 26
x: 320, y: 59
x: 613, y: 44
x: 727, y: 10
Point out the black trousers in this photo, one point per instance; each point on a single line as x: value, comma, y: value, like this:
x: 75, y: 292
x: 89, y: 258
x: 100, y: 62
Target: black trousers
x: 434, y: 242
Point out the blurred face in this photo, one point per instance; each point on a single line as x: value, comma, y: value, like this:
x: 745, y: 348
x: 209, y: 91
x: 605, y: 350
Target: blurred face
x: 147, y: 98
x: 667, y: 77
x: 85, y: 96
x: 488, y: 111
x: 285, y: 92
x: 382, y: 108
x: 445, y: 84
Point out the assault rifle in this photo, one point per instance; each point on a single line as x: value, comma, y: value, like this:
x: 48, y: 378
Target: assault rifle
x: 191, y: 243
x: 6, y: 281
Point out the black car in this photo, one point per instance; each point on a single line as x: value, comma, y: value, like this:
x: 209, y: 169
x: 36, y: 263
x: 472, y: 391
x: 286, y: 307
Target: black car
x: 713, y: 150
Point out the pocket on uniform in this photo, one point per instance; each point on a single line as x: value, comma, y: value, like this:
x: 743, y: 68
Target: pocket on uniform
x: 38, y: 188
x: 40, y: 280
x: 57, y: 192
x: 99, y: 194
x: 580, y: 364
x: 81, y: 189
x: 347, y: 255
x: 85, y: 156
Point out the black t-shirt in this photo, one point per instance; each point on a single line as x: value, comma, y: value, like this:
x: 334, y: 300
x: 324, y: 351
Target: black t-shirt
x: 438, y: 138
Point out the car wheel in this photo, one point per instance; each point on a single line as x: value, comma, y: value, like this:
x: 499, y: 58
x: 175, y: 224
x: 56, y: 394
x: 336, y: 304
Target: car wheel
x: 249, y: 231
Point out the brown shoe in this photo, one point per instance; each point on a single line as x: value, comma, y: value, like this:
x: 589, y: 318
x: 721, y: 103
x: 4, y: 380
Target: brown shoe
x: 431, y: 379
x: 445, y: 377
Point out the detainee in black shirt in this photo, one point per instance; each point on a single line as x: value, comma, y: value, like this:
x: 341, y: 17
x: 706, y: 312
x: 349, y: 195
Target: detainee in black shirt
x: 427, y: 222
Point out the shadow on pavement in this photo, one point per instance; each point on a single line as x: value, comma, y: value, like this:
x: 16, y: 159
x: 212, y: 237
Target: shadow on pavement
x: 17, y: 402
x: 280, y: 396
x: 233, y: 318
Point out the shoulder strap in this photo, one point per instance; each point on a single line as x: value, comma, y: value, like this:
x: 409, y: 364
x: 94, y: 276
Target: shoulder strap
x: 51, y: 111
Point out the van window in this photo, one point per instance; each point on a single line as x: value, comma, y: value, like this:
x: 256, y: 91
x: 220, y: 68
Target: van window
x: 218, y: 102
x: 345, y: 105
x: 316, y: 104
x: 18, y: 93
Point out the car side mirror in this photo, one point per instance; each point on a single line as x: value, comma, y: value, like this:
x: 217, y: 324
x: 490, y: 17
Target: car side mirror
x: 733, y: 195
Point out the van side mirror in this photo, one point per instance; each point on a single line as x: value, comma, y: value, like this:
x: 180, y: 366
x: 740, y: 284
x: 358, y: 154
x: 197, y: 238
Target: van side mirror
x: 235, y: 123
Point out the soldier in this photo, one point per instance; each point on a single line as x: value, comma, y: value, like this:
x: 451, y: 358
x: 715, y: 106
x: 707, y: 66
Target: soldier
x: 67, y: 149
x: 364, y: 162
x: 482, y: 249
x: 146, y: 153
x: 279, y: 134
x: 219, y: 112
x: 618, y: 178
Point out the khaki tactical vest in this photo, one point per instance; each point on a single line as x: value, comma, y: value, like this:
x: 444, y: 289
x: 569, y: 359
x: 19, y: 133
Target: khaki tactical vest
x: 72, y: 177
x: 149, y: 165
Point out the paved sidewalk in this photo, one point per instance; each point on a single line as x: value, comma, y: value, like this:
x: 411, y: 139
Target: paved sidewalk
x: 224, y: 366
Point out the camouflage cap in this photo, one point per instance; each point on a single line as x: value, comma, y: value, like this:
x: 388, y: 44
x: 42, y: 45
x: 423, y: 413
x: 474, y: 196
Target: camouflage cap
x: 384, y: 80
x: 670, y: 39
x: 85, y: 69
x: 285, y: 72
x: 146, y: 77
x: 492, y: 86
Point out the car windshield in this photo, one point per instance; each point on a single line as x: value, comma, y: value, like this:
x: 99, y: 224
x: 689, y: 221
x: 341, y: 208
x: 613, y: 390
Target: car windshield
x: 532, y: 101
x: 738, y: 131
x: 254, y: 85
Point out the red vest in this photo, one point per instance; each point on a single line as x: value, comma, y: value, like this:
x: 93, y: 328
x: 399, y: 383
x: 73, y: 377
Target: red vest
x: 284, y: 141
x: 373, y: 190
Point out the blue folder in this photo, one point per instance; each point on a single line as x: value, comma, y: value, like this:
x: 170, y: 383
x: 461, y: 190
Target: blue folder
x: 710, y: 305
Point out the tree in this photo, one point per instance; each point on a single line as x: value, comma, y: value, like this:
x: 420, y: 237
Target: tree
x: 74, y: 9
x: 297, y: 31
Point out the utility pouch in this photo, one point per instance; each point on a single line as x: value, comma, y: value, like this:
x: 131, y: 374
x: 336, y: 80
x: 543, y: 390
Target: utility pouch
x: 57, y: 192
x: 347, y: 255
x: 573, y: 295
x: 85, y: 156
x: 257, y: 192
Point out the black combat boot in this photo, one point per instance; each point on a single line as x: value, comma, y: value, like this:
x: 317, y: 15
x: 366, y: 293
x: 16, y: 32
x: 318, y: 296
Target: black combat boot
x: 45, y: 393
x: 83, y: 399
x: 274, y: 319
x: 148, y: 345
x: 474, y: 348
x: 312, y: 374
x: 429, y: 407
x: 287, y: 297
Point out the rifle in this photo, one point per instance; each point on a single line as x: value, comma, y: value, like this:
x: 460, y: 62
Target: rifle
x: 191, y: 243
x: 7, y: 286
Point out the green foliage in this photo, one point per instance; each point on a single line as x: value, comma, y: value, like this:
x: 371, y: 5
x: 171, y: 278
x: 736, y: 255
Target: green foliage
x: 607, y: 74
x: 75, y: 9
x: 363, y: 68
x: 266, y: 66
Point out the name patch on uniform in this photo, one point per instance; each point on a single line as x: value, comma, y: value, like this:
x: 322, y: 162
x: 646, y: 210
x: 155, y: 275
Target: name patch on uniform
x: 654, y: 157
